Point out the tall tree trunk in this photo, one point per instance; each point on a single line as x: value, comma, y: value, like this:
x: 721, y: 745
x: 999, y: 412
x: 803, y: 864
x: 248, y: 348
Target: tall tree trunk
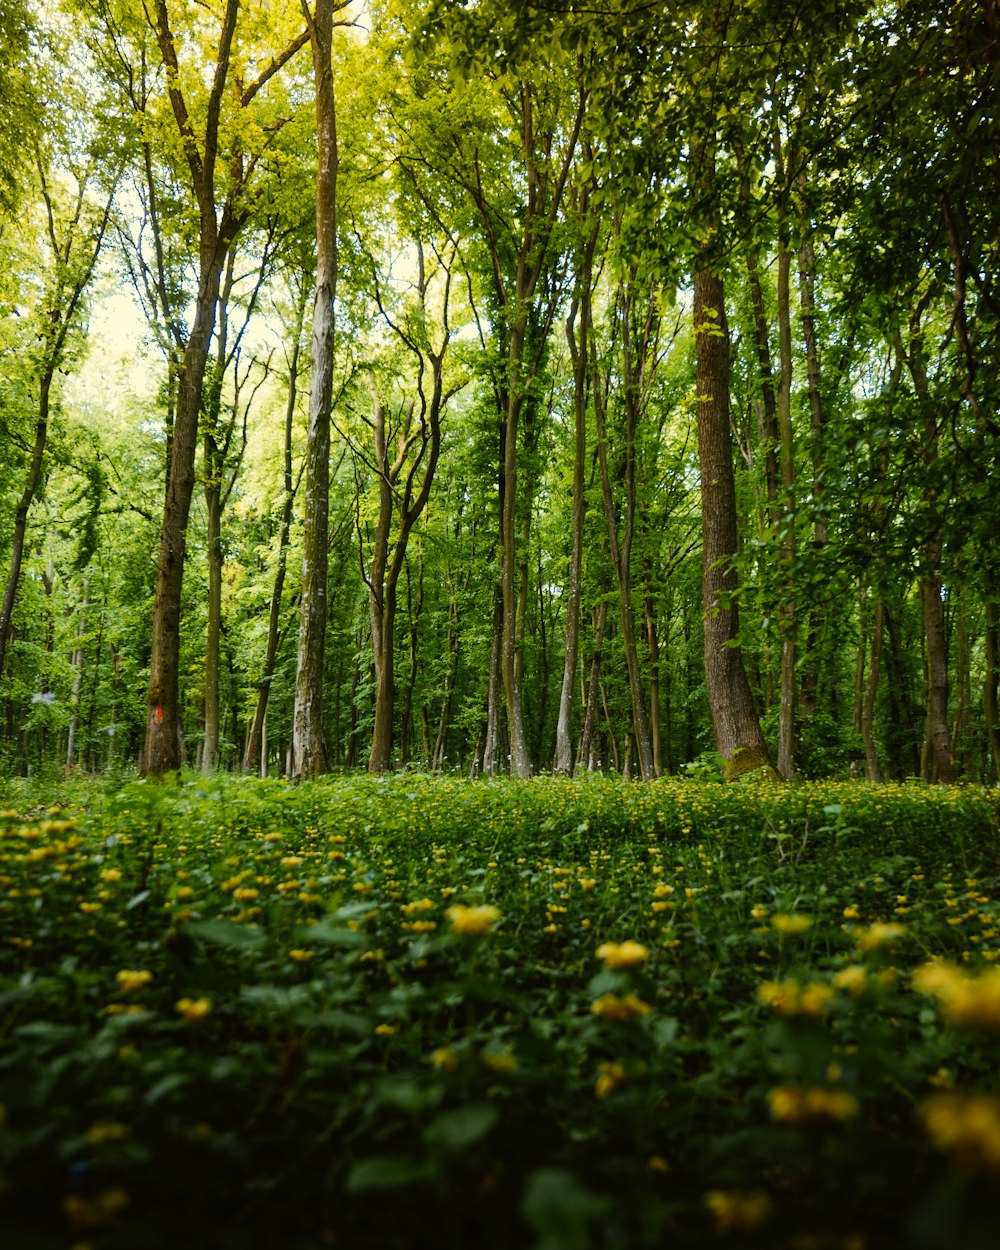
x: 77, y: 663
x: 738, y: 734
x: 586, y: 751
x: 21, y: 515
x: 872, y: 767
x: 787, y: 623
x: 931, y: 587
x: 991, y: 678
x: 308, y: 743
x: 255, y: 754
x: 163, y: 748
x: 579, y: 347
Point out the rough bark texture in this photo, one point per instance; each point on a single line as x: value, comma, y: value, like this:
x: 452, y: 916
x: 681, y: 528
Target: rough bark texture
x: 308, y: 742
x: 734, y: 718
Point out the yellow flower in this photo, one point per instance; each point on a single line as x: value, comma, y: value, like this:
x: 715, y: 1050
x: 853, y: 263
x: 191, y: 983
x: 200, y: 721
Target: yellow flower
x: 95, y: 1212
x: 385, y: 1030
x: 789, y: 998
x: 745, y: 1211
x: 967, y: 1125
x: 657, y: 1163
x: 105, y: 1131
x: 610, y: 1076
x: 628, y: 954
x: 853, y: 979
x: 851, y: 913
x: 301, y: 956
x: 444, y: 1059
x: 111, y: 874
x: 792, y: 1104
x: 500, y: 1060
x: 785, y: 923
x: 245, y: 895
x: 758, y: 913
x: 420, y: 904
x: 967, y: 1001
x: 880, y: 934
x: 620, y: 1007
x: 193, y: 1008
x: 472, y: 921
x: 133, y: 980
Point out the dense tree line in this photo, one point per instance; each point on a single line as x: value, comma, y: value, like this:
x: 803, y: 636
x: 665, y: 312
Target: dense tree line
x: 517, y: 387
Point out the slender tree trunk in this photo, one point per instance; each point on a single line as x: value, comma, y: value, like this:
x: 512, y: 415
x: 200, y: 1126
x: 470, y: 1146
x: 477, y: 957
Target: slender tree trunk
x: 256, y: 753
x: 77, y: 663
x: 308, y: 742
x: 163, y: 750
x: 991, y: 678
x: 937, y: 672
x: 872, y: 767
x: 653, y: 649
x: 787, y: 622
x: 586, y: 751
x: 213, y: 631
x: 579, y: 346
x: 21, y: 515
x: 738, y: 734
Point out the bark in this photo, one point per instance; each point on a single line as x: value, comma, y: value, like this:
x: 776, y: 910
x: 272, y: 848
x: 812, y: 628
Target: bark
x: 738, y: 735
x: 787, y: 624
x: 163, y: 748
x: 579, y: 347
x: 77, y: 662
x: 991, y: 678
x: 586, y: 755
x: 873, y: 769
x: 255, y: 755
x: 308, y: 743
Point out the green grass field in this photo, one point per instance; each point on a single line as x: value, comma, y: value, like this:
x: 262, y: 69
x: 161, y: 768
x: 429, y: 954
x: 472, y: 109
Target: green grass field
x: 406, y: 1012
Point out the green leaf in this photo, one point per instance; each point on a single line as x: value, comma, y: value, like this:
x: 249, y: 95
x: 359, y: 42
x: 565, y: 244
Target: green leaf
x: 226, y: 933
x: 461, y: 1127
x: 387, y: 1172
x: 559, y: 1209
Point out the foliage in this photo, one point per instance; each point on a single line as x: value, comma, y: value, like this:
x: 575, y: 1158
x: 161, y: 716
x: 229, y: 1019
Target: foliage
x: 555, y: 1014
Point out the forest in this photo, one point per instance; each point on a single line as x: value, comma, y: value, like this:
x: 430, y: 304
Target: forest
x: 500, y: 387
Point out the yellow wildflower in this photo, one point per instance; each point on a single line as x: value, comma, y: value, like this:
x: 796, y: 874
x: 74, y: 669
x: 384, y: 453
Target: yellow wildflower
x: 133, y: 980
x: 967, y: 1001
x: 628, y: 954
x: 783, y: 922
x: 193, y: 1008
x: 880, y: 934
x: 472, y: 921
x: 789, y: 998
x: 657, y: 1163
x: 792, y: 1104
x: 967, y: 1125
x: 853, y: 979
x: 734, y: 1210
x: 301, y: 956
x: 245, y: 895
x: 500, y: 1060
x: 620, y: 1007
x: 385, y: 1030
x: 610, y: 1076
x: 444, y: 1059
x: 851, y: 913
x: 105, y: 1131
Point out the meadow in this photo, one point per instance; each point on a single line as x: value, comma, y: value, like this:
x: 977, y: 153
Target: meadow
x: 553, y: 1015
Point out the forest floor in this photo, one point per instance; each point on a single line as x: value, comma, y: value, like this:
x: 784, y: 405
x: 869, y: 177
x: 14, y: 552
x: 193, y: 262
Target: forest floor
x: 551, y: 1014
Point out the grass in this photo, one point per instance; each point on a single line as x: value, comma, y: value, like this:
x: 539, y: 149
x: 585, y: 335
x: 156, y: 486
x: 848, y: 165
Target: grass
x: 399, y: 1012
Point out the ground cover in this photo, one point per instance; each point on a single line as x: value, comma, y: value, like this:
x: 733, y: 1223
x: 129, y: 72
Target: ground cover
x: 411, y: 1011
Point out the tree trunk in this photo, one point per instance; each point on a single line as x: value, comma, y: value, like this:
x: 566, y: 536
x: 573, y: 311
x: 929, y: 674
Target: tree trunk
x: 873, y: 769
x: 579, y: 347
x: 737, y: 729
x: 943, y: 766
x: 308, y: 742
x: 77, y: 663
x: 163, y: 749
x: 991, y: 678
x: 255, y: 753
x: 21, y: 515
